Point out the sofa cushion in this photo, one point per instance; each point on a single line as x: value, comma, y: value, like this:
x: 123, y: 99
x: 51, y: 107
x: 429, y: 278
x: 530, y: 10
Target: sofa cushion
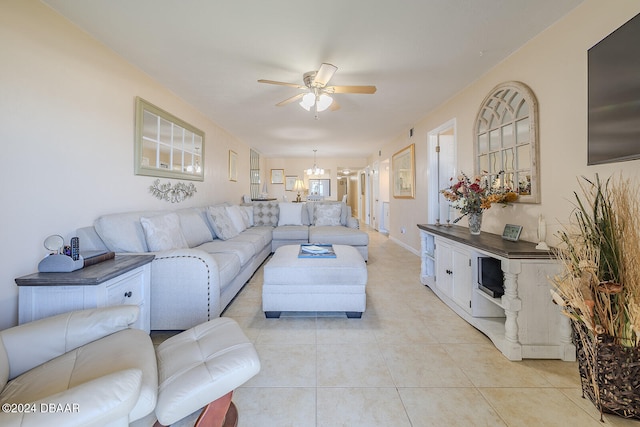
x: 265, y: 213
x: 291, y: 232
x: 221, y: 223
x: 236, y: 218
x: 242, y: 249
x: 327, y: 214
x: 290, y: 214
x: 256, y: 240
x: 123, y: 232
x: 265, y: 233
x: 338, y: 235
x: 247, y: 215
x: 194, y: 227
x: 163, y: 232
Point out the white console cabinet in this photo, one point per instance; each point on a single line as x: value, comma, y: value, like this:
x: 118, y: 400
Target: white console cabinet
x: 524, y: 322
x: 123, y: 280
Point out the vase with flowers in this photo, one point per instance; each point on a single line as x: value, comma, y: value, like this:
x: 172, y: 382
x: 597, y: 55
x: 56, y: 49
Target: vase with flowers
x: 472, y: 196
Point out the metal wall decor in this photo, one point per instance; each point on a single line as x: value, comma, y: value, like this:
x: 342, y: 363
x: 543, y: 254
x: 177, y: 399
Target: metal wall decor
x: 174, y: 194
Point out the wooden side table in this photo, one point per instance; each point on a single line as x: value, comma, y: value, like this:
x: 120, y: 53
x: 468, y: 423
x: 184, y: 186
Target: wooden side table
x: 122, y: 280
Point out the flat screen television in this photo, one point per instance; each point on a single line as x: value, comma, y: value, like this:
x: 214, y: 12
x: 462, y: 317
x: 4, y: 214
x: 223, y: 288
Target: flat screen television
x: 614, y: 96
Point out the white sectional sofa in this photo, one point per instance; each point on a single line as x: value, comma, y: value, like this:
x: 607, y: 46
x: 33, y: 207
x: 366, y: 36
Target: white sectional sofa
x: 205, y: 255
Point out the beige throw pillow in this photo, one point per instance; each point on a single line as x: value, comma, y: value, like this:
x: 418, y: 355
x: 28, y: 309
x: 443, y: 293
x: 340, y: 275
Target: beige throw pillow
x: 327, y: 214
x: 221, y: 223
x: 163, y: 232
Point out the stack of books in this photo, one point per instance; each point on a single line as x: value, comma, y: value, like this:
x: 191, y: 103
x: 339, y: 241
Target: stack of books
x: 95, y: 257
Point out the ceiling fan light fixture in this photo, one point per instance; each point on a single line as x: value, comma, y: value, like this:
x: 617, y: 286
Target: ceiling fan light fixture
x: 308, y: 100
x: 305, y: 106
x: 324, y: 101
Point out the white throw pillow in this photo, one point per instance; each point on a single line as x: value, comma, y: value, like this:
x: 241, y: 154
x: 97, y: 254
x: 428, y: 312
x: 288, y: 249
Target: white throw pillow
x: 236, y: 218
x: 290, y: 214
x: 327, y: 214
x: 221, y: 223
x: 163, y: 232
x: 194, y: 227
x: 247, y: 215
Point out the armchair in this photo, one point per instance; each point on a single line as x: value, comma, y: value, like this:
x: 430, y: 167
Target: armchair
x: 89, y: 368
x: 84, y: 368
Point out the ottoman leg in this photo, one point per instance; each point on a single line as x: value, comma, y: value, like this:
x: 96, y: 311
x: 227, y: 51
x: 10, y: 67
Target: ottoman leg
x: 219, y: 413
x: 272, y: 314
x: 354, y: 314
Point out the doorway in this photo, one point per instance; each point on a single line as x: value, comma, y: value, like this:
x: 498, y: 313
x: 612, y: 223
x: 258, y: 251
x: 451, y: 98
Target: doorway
x: 442, y: 167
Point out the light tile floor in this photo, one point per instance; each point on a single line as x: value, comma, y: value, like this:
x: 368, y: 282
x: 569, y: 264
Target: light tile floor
x: 410, y: 361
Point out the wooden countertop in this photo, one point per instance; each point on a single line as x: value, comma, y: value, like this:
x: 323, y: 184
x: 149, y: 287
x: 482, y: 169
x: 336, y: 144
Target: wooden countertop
x: 87, y: 276
x: 489, y: 242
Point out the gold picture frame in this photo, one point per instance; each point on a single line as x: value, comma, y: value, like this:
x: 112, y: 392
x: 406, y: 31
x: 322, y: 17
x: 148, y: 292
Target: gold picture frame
x: 404, y: 176
x: 233, y: 166
x: 277, y: 176
x: 289, y: 182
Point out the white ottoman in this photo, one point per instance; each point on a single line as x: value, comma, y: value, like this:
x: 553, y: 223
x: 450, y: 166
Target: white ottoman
x: 201, y: 367
x: 315, y: 284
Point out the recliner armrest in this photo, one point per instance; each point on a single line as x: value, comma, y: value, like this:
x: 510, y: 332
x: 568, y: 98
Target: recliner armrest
x: 104, y: 401
x: 34, y: 343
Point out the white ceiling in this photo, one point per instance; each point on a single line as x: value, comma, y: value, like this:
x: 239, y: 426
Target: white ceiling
x: 418, y: 53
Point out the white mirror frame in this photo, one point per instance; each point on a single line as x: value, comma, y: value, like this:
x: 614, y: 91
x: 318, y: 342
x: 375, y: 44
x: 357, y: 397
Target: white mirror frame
x: 506, y: 139
x: 166, y: 146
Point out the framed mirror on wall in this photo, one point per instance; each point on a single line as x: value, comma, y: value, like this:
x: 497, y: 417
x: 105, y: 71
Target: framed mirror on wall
x: 166, y: 146
x: 506, y: 139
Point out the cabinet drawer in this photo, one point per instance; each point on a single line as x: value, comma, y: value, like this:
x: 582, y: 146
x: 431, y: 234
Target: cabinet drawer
x: 129, y: 289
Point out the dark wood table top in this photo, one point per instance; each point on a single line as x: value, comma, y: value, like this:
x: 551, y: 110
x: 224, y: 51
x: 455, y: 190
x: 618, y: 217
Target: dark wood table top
x: 87, y: 276
x: 489, y: 242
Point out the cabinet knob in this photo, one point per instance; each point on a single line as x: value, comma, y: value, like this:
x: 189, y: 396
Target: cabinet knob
x: 128, y: 294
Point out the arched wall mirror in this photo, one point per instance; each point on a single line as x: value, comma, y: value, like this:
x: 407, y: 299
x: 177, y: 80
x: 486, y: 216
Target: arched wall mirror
x: 166, y: 146
x: 506, y: 140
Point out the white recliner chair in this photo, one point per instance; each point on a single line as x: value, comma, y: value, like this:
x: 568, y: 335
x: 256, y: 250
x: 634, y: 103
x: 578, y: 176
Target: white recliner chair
x: 89, y: 368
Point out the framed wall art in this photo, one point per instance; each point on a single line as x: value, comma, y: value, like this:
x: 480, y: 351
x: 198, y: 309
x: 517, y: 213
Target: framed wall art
x: 404, y: 177
x: 233, y: 165
x: 277, y: 176
x: 289, y: 182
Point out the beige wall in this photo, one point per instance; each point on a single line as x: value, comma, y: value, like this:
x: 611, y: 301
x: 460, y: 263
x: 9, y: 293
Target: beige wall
x: 67, y: 108
x: 554, y: 65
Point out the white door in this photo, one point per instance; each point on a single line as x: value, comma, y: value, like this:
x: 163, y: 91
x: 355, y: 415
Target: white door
x: 442, y: 166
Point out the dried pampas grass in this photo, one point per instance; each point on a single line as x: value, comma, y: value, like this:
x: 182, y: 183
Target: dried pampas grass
x: 600, y: 252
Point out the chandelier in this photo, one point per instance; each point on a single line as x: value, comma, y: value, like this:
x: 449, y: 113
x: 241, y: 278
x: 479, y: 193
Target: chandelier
x: 315, y: 170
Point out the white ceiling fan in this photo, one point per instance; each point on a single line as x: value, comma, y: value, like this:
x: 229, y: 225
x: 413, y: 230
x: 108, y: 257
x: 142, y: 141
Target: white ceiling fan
x: 317, y: 95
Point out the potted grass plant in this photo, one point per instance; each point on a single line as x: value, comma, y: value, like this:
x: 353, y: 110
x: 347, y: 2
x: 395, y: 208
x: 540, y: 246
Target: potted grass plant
x: 599, y: 289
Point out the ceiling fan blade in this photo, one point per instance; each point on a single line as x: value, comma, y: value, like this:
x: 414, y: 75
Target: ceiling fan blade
x: 290, y: 100
x: 324, y: 74
x: 273, y: 82
x: 334, y: 105
x: 351, y: 89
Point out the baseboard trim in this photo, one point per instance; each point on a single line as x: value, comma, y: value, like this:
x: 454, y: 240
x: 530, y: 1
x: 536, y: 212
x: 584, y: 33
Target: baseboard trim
x: 414, y: 251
